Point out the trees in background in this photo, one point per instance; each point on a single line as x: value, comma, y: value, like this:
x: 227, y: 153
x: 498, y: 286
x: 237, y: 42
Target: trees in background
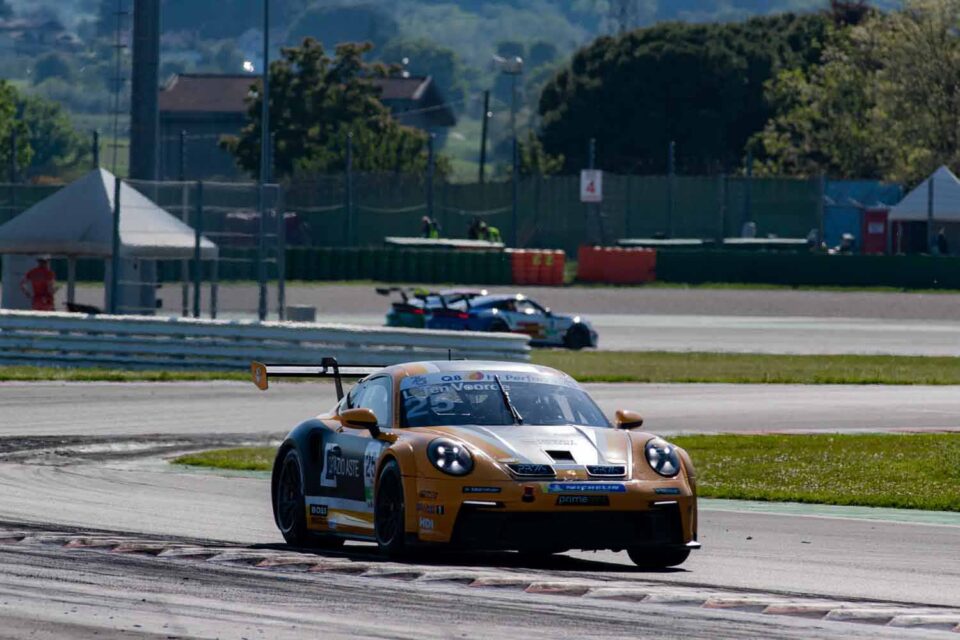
x: 427, y: 59
x: 884, y: 104
x: 11, y: 125
x: 701, y: 86
x: 316, y: 100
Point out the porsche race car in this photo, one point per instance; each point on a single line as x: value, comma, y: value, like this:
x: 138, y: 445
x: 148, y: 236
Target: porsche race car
x: 479, y: 455
x: 515, y: 313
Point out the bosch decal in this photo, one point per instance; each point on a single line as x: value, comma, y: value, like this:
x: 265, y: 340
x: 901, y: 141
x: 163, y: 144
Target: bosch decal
x: 318, y: 510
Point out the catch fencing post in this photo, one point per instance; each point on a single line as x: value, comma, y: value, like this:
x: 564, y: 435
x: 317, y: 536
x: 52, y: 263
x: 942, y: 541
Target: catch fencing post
x: 115, y: 249
x: 430, y: 161
x: 821, y: 209
x: 214, y: 286
x: 197, y: 265
x: 671, y: 168
x: 514, y: 216
x: 281, y: 260
x: 748, y: 195
x: 185, y: 216
x: 348, y: 227
x: 95, y: 149
x: 13, y: 169
x: 721, y: 208
x: 931, y: 238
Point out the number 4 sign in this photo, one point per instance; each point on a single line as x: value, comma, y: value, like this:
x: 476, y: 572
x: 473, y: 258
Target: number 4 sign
x: 591, y: 185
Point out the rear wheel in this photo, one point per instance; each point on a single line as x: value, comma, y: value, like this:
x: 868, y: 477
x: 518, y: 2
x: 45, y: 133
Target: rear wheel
x: 654, y: 558
x: 578, y: 337
x: 289, y: 506
x: 499, y: 326
x: 388, y: 511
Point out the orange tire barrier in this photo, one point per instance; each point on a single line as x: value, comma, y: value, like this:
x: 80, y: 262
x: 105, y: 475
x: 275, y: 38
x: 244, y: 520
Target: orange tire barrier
x: 538, y: 266
x: 616, y: 265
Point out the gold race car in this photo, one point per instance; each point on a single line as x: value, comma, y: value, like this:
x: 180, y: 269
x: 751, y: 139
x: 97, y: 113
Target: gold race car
x: 479, y: 455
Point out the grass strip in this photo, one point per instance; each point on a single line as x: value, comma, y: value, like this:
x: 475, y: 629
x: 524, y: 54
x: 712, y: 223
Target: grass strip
x: 239, y: 459
x: 742, y: 368
x: 908, y: 471
x: 623, y: 366
x: 92, y: 374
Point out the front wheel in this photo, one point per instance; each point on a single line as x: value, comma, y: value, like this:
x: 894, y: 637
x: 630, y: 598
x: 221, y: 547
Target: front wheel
x: 388, y: 511
x: 654, y: 558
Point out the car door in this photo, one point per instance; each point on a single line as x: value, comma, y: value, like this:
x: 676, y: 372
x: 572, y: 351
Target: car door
x: 530, y: 319
x: 349, y: 459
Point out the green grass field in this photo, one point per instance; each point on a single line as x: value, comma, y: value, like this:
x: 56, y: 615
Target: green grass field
x: 911, y: 471
x: 625, y: 366
x: 633, y: 366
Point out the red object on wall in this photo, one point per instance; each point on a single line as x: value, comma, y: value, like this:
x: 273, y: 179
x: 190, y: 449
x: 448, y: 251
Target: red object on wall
x: 874, y: 232
x: 616, y: 265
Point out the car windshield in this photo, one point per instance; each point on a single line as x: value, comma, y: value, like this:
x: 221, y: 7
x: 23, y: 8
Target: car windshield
x: 450, y: 399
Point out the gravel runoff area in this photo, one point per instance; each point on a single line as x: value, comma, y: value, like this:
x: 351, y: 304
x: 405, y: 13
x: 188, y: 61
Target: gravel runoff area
x: 343, y: 299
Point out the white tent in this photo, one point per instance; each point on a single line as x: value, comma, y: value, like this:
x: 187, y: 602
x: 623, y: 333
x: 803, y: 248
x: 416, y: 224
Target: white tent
x: 78, y: 221
x: 946, y: 200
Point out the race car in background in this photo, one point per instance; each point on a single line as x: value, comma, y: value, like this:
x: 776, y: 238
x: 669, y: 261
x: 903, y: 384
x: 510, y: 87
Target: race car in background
x: 415, y: 304
x: 515, y: 313
x: 479, y: 456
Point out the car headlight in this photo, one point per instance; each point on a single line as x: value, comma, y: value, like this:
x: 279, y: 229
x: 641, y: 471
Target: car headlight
x: 450, y: 457
x: 663, y: 457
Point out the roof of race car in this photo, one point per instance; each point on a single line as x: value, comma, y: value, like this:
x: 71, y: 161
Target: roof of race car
x: 499, y: 297
x: 400, y: 371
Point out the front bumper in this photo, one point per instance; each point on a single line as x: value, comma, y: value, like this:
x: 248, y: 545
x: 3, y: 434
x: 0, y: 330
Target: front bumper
x: 525, y: 515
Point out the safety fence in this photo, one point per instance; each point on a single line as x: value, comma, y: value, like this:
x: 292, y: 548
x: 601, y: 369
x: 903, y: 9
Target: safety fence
x: 323, y: 211
x: 140, y: 342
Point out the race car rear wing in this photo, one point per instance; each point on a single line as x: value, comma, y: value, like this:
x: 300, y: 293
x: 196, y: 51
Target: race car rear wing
x: 328, y: 368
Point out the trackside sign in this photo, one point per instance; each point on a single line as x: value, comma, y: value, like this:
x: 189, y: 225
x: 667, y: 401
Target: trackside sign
x: 591, y: 185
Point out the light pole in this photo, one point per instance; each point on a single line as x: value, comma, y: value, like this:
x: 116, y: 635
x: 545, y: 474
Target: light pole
x: 513, y: 67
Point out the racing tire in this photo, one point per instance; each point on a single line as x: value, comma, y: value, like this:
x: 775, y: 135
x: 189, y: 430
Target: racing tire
x: 289, y: 504
x: 653, y: 558
x: 578, y: 337
x: 499, y: 326
x: 389, y: 514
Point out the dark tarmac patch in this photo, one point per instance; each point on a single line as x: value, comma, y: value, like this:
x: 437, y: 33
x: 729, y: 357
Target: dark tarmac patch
x: 63, y: 450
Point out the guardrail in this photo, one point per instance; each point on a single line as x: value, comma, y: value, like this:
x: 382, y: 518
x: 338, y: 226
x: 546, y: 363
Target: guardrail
x: 144, y: 342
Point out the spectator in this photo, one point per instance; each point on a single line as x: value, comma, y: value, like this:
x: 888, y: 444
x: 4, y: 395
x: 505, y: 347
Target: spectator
x: 943, y: 247
x: 43, y: 283
x: 473, y: 233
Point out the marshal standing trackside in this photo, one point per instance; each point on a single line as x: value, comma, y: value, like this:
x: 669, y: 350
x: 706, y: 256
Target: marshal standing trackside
x: 479, y: 455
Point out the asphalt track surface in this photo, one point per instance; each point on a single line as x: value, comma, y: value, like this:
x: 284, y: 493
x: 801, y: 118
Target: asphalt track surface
x: 199, y: 408
x: 111, y: 476
x: 661, y: 319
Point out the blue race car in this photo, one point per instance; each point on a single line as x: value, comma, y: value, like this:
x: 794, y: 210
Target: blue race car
x: 516, y: 314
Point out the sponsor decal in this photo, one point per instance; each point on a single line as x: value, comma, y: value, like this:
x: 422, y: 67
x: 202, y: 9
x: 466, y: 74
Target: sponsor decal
x: 428, y: 495
x: 419, y: 381
x: 370, y: 457
x: 531, y: 469
x: 478, y: 381
x: 336, y: 466
x: 318, y: 510
x: 586, y: 487
x: 431, y: 509
x: 583, y: 501
x: 426, y: 524
x: 481, y: 489
x: 607, y: 470
x: 667, y: 491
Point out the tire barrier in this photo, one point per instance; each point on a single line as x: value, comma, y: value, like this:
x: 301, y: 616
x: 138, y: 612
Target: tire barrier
x: 616, y: 265
x: 142, y: 342
x: 538, y: 266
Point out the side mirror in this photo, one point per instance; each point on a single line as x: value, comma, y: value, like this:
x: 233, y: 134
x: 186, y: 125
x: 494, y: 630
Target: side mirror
x: 360, y: 419
x: 628, y: 419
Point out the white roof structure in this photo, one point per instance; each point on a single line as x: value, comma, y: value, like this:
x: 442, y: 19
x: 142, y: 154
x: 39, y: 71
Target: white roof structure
x: 946, y: 199
x: 78, y: 221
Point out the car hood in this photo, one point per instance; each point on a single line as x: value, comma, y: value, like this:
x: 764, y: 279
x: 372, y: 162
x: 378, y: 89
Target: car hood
x: 525, y: 444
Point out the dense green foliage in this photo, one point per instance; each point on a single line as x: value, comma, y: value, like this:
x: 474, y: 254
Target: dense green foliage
x: 911, y: 471
x: 701, y: 86
x: 316, y: 101
x: 10, y: 125
x: 883, y: 105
